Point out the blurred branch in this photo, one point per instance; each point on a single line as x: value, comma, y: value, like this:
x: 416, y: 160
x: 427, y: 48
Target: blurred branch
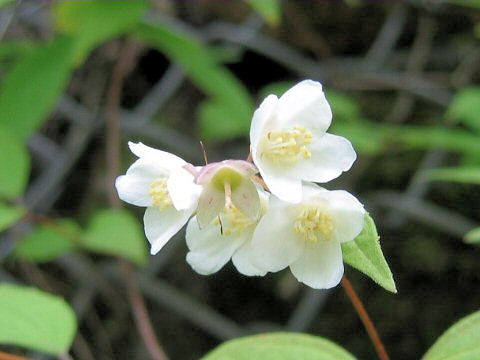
x: 307, y: 309
x: 423, y: 211
x: 125, y: 63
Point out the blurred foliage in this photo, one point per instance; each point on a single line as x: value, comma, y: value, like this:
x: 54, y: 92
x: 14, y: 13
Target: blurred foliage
x: 459, y: 342
x: 279, y: 346
x: 36, y: 320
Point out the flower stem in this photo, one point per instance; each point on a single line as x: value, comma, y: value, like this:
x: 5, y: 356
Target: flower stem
x: 367, y: 322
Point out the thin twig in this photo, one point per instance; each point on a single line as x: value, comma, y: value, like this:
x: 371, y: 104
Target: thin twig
x: 367, y: 322
x: 6, y: 356
x: 125, y: 63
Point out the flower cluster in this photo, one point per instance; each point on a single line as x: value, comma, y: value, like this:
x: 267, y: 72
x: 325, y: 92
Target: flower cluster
x: 263, y: 224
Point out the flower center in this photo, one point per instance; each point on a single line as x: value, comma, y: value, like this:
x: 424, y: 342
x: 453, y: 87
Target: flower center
x: 236, y: 222
x: 159, y: 193
x: 313, y: 223
x: 287, y: 147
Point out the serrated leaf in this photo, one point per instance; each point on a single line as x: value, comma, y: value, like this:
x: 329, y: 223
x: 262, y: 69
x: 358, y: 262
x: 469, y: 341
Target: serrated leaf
x: 269, y: 9
x: 230, y: 106
x: 49, y: 241
x: 365, y: 254
x: 118, y: 233
x: 31, y: 88
x: 459, y: 342
x: 9, y: 215
x: 473, y: 236
x: 14, y: 167
x: 460, y: 174
x: 279, y: 346
x: 35, y: 320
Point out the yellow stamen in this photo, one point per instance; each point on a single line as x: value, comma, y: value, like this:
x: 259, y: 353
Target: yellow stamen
x: 314, y: 224
x: 159, y: 194
x: 287, y: 147
x: 234, y: 222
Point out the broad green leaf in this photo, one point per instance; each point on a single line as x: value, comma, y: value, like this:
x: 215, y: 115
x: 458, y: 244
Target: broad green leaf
x: 365, y: 254
x: 35, y: 320
x: 467, y: 175
x: 465, y: 107
x: 9, y: 215
x: 459, y: 342
x: 269, y: 9
x: 473, y: 236
x: 86, y: 22
x: 14, y: 165
x: 6, y: 2
x: 49, y: 241
x: 116, y: 232
x: 31, y: 88
x: 344, y: 107
x: 279, y: 346
x: 468, y: 3
x: 230, y: 107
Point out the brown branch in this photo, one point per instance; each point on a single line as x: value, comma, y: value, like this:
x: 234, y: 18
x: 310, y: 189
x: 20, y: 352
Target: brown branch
x: 367, y: 322
x: 126, y: 61
x: 7, y: 356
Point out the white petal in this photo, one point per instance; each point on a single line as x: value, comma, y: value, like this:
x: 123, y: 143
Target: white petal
x: 285, y: 187
x: 210, y: 203
x: 242, y: 259
x: 182, y: 190
x: 134, y: 187
x: 161, y: 225
x: 320, y: 266
x: 304, y: 104
x: 348, y: 214
x: 275, y: 243
x: 209, y: 249
x: 164, y: 158
x: 246, y: 199
x: 331, y: 155
x: 261, y: 116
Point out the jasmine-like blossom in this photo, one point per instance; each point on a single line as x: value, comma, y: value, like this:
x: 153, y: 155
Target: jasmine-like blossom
x: 229, y: 180
x: 227, y: 237
x: 289, y: 142
x: 307, y: 236
x: 160, y: 182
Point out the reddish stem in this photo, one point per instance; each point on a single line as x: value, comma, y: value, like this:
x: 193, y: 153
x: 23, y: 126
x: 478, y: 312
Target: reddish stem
x: 367, y: 322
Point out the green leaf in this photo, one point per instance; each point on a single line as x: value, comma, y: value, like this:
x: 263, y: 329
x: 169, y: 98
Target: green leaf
x: 466, y: 175
x: 365, y: 254
x: 230, y: 107
x: 33, y: 85
x: 275, y: 88
x: 459, y: 342
x: 9, y: 215
x: 35, y: 320
x: 85, y: 22
x: 473, y: 236
x: 269, y: 9
x: 49, y: 241
x: 14, y: 167
x: 465, y: 107
x: 344, y: 107
x: 116, y: 232
x: 279, y: 346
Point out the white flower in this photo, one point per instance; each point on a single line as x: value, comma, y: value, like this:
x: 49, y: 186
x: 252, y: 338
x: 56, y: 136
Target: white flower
x: 228, y: 180
x: 227, y: 236
x: 289, y: 142
x: 159, y: 181
x: 307, y: 236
